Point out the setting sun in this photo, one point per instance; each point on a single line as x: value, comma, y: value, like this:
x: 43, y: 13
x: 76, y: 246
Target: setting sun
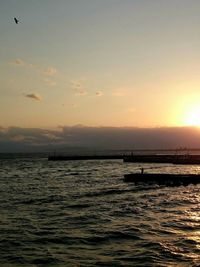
x: 192, y: 117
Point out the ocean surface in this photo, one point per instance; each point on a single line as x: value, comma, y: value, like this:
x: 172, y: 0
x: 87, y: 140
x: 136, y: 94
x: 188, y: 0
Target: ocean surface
x: 82, y: 213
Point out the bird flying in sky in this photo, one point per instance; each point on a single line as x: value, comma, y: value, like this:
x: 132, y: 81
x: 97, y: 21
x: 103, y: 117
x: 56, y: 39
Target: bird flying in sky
x: 16, y: 20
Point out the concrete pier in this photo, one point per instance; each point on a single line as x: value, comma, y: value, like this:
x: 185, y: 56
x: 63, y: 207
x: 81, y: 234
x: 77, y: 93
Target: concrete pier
x: 175, y: 159
x: 163, y: 178
x: 85, y: 157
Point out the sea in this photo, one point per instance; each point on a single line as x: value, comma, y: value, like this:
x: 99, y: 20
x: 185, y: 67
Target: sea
x: 82, y: 213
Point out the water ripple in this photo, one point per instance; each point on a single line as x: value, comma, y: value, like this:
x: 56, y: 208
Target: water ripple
x: 83, y: 214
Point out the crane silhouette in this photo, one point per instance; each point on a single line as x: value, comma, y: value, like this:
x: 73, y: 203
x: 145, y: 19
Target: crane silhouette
x: 16, y: 20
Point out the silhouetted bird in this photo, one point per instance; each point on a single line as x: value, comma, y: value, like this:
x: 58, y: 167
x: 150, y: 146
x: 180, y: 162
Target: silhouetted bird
x: 16, y: 20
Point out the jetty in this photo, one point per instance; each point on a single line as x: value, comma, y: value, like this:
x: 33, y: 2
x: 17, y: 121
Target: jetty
x: 84, y: 157
x: 163, y: 158
x: 163, y: 178
x: 180, y: 156
x: 174, y: 159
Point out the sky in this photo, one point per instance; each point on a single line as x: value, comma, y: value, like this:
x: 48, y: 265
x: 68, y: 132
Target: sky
x: 99, y: 63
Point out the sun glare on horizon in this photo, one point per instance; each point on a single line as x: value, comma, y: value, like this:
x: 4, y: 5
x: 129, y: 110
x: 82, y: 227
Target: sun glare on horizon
x: 192, y: 117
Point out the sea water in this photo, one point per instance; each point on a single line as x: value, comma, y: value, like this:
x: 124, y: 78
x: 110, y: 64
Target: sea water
x: 82, y: 213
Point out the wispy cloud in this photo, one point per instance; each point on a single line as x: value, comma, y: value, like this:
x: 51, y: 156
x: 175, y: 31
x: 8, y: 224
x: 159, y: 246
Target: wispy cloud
x: 18, y: 138
x: 18, y: 62
x: 118, y: 93
x: 22, y: 63
x: 81, y: 92
x: 51, y: 136
x: 51, y: 71
x: 79, y: 87
x: 99, y: 93
x: 76, y: 84
x: 73, y: 105
x: 2, y: 129
x: 50, y: 82
x: 34, y: 96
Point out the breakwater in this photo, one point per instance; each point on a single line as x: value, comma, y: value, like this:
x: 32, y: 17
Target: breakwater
x: 84, y: 157
x: 175, y: 159
x: 163, y: 178
x: 135, y: 158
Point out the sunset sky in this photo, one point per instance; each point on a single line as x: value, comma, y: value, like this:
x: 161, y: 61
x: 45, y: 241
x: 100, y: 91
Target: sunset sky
x: 99, y: 63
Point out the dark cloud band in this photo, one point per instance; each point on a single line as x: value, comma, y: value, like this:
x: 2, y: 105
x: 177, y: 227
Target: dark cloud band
x: 16, y: 139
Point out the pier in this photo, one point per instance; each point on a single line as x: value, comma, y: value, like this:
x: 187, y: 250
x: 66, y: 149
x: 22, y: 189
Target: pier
x: 156, y: 158
x: 85, y: 157
x: 133, y: 157
x: 163, y: 178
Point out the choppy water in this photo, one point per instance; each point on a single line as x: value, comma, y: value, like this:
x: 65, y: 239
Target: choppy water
x: 81, y: 213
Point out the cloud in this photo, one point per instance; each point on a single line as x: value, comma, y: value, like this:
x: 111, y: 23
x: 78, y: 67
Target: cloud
x: 2, y: 131
x: 73, y: 105
x: 18, y: 62
x: 76, y: 84
x: 50, y: 82
x: 118, y: 93
x: 82, y: 137
x: 79, y: 87
x: 81, y: 92
x: 132, y: 138
x: 50, y: 71
x: 51, y: 136
x: 34, y: 96
x: 18, y: 138
x: 21, y: 62
x: 99, y: 93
